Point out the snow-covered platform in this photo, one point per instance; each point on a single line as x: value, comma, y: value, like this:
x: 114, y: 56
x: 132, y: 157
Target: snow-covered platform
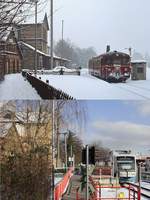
x: 88, y: 87
x: 16, y: 87
x: 79, y: 87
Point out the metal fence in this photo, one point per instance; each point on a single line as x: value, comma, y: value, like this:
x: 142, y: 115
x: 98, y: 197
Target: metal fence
x: 45, y: 90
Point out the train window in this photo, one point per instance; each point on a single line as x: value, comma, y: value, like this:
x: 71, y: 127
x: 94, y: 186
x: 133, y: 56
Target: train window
x: 117, y: 61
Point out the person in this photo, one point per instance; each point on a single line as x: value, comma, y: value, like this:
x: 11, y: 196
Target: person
x: 61, y: 71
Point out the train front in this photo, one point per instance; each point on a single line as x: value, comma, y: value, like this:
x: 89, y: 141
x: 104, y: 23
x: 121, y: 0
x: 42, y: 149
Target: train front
x: 119, y: 69
x: 126, y: 168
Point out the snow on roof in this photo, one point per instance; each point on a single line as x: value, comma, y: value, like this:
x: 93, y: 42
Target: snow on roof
x: 5, y: 32
x: 40, y: 52
x: 138, y: 61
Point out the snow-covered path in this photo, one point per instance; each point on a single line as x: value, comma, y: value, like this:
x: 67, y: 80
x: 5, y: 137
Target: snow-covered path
x: 15, y: 87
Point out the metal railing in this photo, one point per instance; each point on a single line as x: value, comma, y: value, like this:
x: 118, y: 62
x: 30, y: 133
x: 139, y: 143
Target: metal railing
x: 61, y: 187
x: 45, y: 90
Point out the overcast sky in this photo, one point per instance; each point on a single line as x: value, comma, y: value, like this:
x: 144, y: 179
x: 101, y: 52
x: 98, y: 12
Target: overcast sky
x: 120, y: 23
x: 118, y: 124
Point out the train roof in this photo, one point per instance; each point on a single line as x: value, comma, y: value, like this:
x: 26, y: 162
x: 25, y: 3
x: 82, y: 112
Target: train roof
x: 123, y: 153
x: 113, y: 53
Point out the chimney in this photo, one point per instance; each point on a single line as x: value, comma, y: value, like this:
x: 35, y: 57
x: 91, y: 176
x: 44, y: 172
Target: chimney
x: 108, y: 48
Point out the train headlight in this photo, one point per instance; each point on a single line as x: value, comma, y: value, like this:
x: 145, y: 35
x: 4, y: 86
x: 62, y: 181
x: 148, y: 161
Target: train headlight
x: 121, y: 195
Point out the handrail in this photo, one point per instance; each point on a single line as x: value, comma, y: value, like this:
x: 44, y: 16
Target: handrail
x: 61, y: 187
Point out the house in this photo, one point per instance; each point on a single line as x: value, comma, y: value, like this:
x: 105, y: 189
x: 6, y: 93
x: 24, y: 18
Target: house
x: 10, y: 53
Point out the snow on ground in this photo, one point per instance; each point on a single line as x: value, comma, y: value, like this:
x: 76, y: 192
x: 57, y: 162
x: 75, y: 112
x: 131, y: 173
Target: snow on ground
x: 145, y: 185
x: 79, y: 87
x: 141, y: 87
x: 15, y: 87
x: 89, y: 87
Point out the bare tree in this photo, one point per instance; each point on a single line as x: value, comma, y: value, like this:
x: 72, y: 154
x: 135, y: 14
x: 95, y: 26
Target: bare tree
x: 69, y: 115
x: 12, y: 12
x: 26, y: 150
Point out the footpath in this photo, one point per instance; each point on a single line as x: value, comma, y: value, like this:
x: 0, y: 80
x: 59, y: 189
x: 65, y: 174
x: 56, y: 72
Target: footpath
x: 75, y: 183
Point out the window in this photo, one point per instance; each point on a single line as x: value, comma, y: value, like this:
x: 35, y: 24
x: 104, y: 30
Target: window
x: 140, y: 70
x: 117, y: 61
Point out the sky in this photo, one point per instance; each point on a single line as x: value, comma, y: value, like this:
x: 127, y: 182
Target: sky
x: 119, y: 23
x: 118, y: 124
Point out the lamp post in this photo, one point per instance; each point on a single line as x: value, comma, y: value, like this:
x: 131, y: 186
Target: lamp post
x: 62, y: 42
x: 35, y: 59
x: 51, y: 33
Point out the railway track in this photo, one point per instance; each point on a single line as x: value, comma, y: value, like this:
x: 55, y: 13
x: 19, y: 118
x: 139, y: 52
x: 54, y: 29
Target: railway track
x: 129, y: 89
x: 145, y: 191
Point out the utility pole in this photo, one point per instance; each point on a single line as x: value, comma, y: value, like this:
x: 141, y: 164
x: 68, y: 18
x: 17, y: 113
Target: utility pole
x: 51, y: 33
x: 66, y: 156
x: 35, y: 59
x: 62, y: 42
x: 87, y: 169
x: 53, y: 152
x: 139, y: 181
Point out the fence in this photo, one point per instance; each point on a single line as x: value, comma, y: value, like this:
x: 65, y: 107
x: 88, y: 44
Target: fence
x: 61, y: 187
x: 45, y: 90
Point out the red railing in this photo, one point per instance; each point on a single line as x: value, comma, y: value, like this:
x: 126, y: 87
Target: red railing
x: 133, y: 193
x: 61, y: 187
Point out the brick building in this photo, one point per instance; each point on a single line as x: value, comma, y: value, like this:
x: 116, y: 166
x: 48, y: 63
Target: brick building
x: 43, y: 59
x: 10, y: 53
x: 26, y: 38
x: 26, y: 34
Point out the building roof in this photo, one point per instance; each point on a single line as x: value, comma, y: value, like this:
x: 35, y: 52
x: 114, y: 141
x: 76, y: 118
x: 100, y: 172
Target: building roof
x: 42, y: 53
x: 5, y: 32
x: 31, y: 22
x: 138, y: 61
x: 46, y: 21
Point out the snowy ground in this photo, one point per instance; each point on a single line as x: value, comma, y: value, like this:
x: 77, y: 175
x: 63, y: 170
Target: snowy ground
x: 89, y: 87
x: 15, y: 87
x: 79, y: 87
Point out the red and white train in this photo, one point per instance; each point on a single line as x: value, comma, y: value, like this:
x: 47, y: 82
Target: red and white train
x: 112, y: 66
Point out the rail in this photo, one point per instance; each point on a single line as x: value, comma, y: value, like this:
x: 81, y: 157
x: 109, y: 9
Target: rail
x: 45, y: 90
x: 61, y: 187
x: 145, y: 192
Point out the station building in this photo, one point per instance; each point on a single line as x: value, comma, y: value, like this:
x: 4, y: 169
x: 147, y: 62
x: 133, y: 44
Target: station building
x: 26, y: 38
